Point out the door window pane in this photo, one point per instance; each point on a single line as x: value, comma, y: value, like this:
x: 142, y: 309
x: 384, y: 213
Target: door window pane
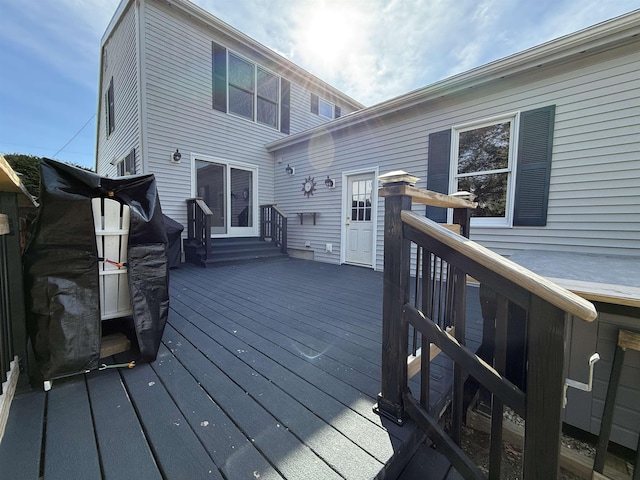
x: 210, y: 187
x: 241, y: 198
x: 361, y: 200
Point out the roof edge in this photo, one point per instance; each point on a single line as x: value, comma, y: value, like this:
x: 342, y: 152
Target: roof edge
x: 197, y: 12
x: 608, y: 33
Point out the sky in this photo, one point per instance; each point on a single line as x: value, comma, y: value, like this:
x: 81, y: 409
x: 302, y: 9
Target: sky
x: 372, y: 50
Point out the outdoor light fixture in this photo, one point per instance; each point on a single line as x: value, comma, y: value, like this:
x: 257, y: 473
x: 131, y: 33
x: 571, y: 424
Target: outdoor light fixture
x: 330, y: 183
x: 175, y: 157
x: 290, y: 170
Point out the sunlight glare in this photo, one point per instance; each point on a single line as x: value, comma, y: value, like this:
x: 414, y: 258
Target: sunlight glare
x: 327, y: 35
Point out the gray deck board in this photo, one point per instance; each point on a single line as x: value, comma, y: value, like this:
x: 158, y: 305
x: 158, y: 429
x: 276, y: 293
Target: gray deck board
x: 224, y: 441
x: 71, y: 450
x: 267, y: 370
x: 178, y: 450
x: 21, y: 444
x: 123, y: 448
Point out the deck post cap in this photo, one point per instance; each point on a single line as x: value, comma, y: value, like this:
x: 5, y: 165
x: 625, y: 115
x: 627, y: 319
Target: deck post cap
x: 398, y: 177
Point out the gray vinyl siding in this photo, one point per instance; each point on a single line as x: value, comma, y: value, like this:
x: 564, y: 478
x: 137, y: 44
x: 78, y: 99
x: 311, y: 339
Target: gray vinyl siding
x: 122, y: 66
x: 595, y: 187
x: 584, y: 409
x: 179, y: 113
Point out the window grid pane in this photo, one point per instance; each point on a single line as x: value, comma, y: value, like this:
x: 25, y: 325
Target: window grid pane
x: 325, y: 109
x: 490, y: 191
x: 241, y: 73
x: 241, y: 102
x: 267, y: 86
x: 484, y: 149
x: 267, y: 112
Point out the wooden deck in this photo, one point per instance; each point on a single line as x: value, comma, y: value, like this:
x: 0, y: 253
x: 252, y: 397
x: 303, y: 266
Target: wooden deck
x: 267, y: 370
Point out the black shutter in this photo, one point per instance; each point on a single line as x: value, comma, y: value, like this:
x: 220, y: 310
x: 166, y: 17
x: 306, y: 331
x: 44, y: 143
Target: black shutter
x: 111, y: 124
x: 533, y: 171
x: 315, y: 100
x: 337, y: 111
x: 438, y: 160
x: 285, y: 106
x: 106, y: 113
x: 219, y: 70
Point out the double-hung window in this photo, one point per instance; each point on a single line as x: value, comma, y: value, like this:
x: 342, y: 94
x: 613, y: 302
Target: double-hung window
x: 248, y: 90
x: 484, y: 158
x: 322, y: 107
x: 504, y: 161
x: 127, y: 166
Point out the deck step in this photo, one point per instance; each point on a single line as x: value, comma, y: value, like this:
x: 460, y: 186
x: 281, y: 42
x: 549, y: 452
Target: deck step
x: 227, y: 251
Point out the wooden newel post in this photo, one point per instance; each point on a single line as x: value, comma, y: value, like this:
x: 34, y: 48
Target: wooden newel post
x: 545, y: 389
x: 397, y: 251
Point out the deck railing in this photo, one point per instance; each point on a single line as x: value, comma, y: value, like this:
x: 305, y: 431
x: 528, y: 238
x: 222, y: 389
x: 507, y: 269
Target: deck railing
x: 199, y: 225
x: 7, y: 352
x: 273, y: 226
x: 445, y: 261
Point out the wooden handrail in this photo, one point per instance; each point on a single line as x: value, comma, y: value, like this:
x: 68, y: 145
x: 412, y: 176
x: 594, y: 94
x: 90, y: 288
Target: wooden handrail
x: 203, y: 206
x: 199, y: 217
x: 419, y: 305
x: 536, y: 284
x: 280, y: 212
x: 273, y: 225
x: 427, y: 197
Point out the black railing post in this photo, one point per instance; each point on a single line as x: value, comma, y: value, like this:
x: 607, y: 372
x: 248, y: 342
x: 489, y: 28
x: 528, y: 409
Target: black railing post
x: 545, y: 390
x: 397, y: 250
x: 283, y: 233
x: 274, y: 226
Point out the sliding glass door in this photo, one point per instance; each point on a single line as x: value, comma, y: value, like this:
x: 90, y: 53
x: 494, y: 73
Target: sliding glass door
x: 230, y: 192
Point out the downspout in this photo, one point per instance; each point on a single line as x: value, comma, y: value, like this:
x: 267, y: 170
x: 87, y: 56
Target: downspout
x: 142, y: 78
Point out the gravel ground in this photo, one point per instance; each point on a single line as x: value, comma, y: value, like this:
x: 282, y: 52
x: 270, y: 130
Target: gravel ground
x: 476, y: 445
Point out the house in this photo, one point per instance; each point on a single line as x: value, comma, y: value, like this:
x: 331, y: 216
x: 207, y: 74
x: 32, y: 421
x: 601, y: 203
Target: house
x: 547, y: 139
x: 564, y: 118
x: 192, y: 100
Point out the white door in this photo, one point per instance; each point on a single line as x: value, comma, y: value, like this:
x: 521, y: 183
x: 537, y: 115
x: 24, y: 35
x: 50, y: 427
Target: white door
x: 359, y: 221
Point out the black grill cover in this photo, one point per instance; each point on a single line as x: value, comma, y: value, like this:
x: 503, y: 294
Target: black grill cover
x: 61, y: 268
x: 174, y: 231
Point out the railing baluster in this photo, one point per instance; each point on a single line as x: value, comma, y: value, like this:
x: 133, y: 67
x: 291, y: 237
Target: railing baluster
x: 443, y: 262
x: 497, y: 406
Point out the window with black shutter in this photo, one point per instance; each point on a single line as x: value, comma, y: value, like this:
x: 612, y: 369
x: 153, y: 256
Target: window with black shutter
x: 109, y: 105
x: 510, y: 182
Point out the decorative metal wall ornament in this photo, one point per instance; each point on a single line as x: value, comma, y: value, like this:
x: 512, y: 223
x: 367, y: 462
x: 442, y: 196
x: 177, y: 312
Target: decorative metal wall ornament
x: 308, y: 186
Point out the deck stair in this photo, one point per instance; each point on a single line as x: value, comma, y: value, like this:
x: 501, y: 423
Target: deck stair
x: 226, y: 251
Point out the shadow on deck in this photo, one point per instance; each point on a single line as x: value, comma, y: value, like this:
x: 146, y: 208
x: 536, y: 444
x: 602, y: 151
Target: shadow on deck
x: 267, y: 370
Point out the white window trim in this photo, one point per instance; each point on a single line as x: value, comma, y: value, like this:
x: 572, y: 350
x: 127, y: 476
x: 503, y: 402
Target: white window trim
x: 514, y: 118
x: 255, y: 91
x: 331, y: 105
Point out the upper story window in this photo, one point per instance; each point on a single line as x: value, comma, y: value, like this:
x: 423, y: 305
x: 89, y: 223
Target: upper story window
x: 109, y: 110
x: 247, y: 89
x: 484, y: 159
x: 324, y: 108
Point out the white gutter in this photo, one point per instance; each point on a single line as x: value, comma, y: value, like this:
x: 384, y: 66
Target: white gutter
x: 590, y: 40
